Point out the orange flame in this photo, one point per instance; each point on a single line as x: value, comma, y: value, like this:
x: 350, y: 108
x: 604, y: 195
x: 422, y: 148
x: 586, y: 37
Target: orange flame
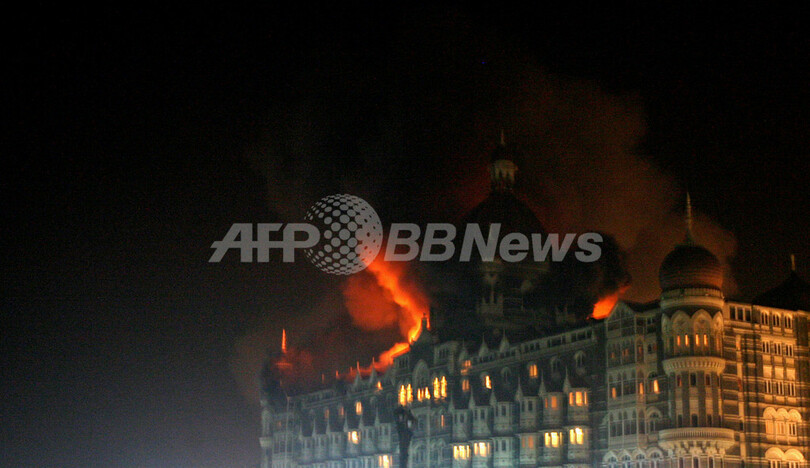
x: 605, y: 305
x: 410, y: 300
x: 388, y: 298
x: 407, y: 296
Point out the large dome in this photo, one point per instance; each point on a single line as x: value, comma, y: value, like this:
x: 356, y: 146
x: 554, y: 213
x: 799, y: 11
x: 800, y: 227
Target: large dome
x: 690, y: 266
x: 505, y: 208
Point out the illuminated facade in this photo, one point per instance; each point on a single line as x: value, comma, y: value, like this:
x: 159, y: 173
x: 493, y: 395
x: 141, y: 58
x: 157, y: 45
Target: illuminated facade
x: 693, y: 380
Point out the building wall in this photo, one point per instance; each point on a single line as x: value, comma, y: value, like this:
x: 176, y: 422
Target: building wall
x: 696, y: 382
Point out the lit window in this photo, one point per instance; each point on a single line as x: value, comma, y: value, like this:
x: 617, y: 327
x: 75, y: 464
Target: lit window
x: 358, y: 408
x: 384, y: 461
x: 533, y: 371
x: 443, y: 387
x: 554, y: 401
x: 422, y: 394
x: 487, y: 381
x: 576, y: 436
x: 552, y: 439
x: 481, y: 449
x: 656, y: 388
x: 354, y: 437
x: 461, y: 452
x: 465, y: 385
x: 576, y: 398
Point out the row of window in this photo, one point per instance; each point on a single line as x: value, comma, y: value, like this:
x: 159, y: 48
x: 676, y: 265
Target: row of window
x: 627, y: 424
x: 552, y: 439
x: 620, y: 385
x: 781, y: 428
x: 422, y: 393
x: 765, y: 318
x: 777, y: 348
x: 778, y: 387
x: 622, y: 353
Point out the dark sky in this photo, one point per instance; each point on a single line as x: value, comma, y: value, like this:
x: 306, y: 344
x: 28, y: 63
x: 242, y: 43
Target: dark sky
x: 139, y: 134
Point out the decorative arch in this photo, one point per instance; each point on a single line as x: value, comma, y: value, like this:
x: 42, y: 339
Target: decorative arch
x: 609, y: 457
x: 681, y: 323
x: 794, y: 455
x: 420, y: 374
x: 702, y: 321
x: 775, y: 453
x: 654, y: 452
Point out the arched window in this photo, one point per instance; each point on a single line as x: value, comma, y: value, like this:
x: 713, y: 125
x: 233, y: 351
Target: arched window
x: 579, y: 360
x: 486, y: 381
x: 506, y: 376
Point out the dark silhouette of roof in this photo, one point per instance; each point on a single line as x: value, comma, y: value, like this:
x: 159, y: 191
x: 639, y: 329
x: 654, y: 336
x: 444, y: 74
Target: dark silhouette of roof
x: 792, y: 294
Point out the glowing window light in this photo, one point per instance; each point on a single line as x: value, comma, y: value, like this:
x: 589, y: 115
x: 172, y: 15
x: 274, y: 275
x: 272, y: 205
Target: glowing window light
x: 576, y: 436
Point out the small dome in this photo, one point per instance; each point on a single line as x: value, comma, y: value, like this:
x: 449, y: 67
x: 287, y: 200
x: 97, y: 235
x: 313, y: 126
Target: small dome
x: 690, y: 266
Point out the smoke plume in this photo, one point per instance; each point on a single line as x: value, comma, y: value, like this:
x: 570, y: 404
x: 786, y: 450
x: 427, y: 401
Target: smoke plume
x: 411, y: 131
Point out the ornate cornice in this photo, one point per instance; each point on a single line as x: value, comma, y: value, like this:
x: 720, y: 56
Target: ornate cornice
x: 694, y: 363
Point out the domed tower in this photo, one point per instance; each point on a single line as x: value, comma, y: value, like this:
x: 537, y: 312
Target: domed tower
x: 504, y: 285
x: 692, y: 304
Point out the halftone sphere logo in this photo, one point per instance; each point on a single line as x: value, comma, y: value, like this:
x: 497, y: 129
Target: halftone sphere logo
x: 351, y: 234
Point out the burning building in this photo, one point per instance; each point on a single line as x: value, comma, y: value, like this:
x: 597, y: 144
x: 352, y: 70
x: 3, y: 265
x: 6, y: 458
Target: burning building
x: 508, y: 375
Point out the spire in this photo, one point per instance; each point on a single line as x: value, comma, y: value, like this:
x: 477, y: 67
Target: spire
x: 283, y: 341
x: 793, y: 263
x: 689, y: 237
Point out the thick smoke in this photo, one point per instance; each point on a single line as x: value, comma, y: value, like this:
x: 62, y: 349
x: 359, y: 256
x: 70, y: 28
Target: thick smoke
x: 411, y: 129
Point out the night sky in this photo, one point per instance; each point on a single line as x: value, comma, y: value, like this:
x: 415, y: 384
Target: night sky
x: 139, y: 134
